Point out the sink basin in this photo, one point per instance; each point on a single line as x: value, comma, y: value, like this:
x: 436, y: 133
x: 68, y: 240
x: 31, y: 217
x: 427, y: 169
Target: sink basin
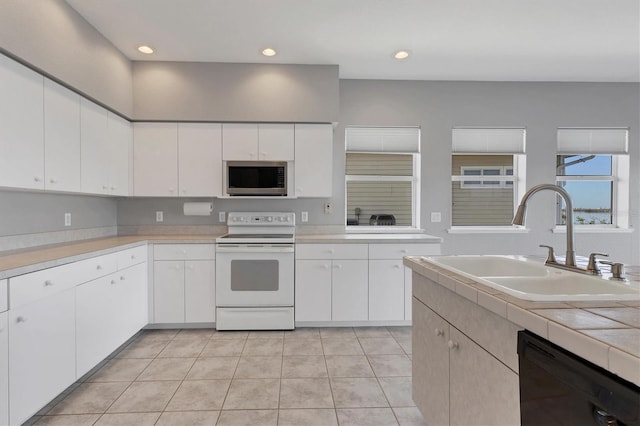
x: 530, y: 280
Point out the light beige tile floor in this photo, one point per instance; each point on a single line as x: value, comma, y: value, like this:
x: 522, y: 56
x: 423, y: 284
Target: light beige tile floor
x: 305, y: 377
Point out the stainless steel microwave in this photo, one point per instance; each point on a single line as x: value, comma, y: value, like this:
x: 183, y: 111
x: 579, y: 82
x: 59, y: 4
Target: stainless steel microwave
x: 257, y: 178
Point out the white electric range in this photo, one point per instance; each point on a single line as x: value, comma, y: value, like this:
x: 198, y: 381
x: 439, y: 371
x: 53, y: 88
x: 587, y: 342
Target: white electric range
x: 255, y: 272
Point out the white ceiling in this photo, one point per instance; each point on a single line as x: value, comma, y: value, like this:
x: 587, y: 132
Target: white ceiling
x: 492, y: 40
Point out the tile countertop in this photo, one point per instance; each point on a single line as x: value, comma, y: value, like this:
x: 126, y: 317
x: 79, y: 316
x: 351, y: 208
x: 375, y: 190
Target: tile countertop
x: 366, y: 238
x: 18, y: 262
x: 604, y: 333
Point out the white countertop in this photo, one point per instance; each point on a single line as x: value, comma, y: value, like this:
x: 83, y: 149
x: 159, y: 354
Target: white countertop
x: 367, y: 238
x: 605, y: 333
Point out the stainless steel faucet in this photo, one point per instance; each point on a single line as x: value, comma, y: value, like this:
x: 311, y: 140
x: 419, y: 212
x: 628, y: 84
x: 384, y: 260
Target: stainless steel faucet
x: 519, y: 218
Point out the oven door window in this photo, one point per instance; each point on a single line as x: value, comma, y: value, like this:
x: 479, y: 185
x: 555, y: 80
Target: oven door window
x: 254, y: 275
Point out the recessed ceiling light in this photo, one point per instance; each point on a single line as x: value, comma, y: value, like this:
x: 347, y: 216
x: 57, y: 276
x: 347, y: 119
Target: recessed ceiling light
x: 401, y: 54
x: 145, y: 49
x: 269, y: 52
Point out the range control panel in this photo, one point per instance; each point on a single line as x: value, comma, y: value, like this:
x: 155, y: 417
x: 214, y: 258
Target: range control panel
x: 261, y: 219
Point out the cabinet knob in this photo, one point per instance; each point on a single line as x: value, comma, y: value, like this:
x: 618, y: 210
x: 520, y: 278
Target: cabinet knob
x: 177, y: 267
x: 404, y: 251
x: 264, y: 155
x: 184, y: 191
x: 99, y: 267
x: 172, y: 190
x: 452, y: 344
x: 133, y: 257
x: 53, y: 180
x: 396, y: 266
x: 190, y: 268
x: 37, y: 179
x: 113, y: 188
x: 183, y: 251
x: 325, y: 266
x: 105, y: 186
x: 122, y: 278
x: 113, y: 282
x: 438, y: 332
x: 48, y: 283
x: 21, y: 319
x: 338, y: 266
x: 331, y: 251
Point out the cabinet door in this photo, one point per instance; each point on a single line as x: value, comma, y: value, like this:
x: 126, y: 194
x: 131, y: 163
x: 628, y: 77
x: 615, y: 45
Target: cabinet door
x: 94, y: 152
x: 155, y: 159
x: 132, y: 298
x: 349, y: 298
x: 119, y: 153
x: 21, y: 126
x: 42, y: 354
x: 200, y: 159
x: 430, y: 371
x: 4, y: 370
x: 473, y: 368
x: 240, y: 141
x: 199, y: 291
x: 313, y: 160
x: 61, y: 138
x: 168, y: 291
x: 275, y: 142
x: 96, y: 337
x: 313, y: 290
x: 386, y: 290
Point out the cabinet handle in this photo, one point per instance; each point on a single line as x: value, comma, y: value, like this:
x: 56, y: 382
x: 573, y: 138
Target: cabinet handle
x: 48, y: 283
x: 453, y: 345
x: 438, y: 332
x: 21, y: 319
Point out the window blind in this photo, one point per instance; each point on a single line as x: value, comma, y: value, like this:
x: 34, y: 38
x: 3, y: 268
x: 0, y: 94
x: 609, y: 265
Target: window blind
x: 593, y: 141
x: 383, y: 139
x: 486, y: 140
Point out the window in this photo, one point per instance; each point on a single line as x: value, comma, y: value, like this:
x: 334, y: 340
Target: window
x: 495, y: 159
x: 592, y: 165
x: 382, y: 177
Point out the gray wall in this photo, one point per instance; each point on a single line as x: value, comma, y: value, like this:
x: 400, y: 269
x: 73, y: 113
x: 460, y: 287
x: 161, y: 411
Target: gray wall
x: 196, y: 91
x: 34, y: 212
x: 52, y: 37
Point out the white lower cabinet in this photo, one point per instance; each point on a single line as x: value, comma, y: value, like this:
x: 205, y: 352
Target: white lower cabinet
x: 42, y: 354
x: 98, y: 331
x: 4, y: 369
x: 313, y: 290
x: 184, y: 289
x: 349, y: 290
x: 386, y: 290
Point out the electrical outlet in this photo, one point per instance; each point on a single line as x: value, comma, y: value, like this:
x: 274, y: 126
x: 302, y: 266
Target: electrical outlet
x: 436, y: 217
x: 328, y: 208
x: 67, y: 219
x: 304, y: 217
x: 159, y: 216
x: 222, y: 216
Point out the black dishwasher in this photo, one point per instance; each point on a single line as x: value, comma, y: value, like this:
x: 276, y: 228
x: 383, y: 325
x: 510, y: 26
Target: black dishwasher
x: 560, y: 388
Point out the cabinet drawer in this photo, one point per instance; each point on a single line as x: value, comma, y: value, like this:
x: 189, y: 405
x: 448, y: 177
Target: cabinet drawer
x: 132, y: 256
x: 184, y: 252
x: 3, y: 296
x: 38, y: 285
x: 396, y: 251
x: 331, y: 251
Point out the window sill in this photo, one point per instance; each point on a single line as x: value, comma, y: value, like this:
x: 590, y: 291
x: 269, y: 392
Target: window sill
x: 381, y: 230
x: 487, y: 230
x: 595, y: 230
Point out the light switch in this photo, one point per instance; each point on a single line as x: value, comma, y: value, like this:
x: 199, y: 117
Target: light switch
x: 436, y: 217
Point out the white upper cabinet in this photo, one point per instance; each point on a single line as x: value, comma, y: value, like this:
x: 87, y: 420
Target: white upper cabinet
x: 253, y: 142
x: 61, y: 138
x: 313, y: 160
x: 118, y: 154
x: 155, y: 159
x: 200, y: 159
x: 21, y: 126
x: 94, y: 138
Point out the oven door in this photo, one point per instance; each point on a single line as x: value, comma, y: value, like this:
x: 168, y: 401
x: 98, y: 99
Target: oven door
x: 254, y: 275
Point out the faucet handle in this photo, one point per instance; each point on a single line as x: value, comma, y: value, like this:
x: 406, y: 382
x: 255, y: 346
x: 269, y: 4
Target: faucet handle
x: 551, y: 258
x: 592, y: 266
x: 617, y: 270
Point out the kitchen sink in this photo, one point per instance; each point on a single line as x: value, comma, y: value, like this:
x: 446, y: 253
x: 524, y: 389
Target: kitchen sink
x: 530, y: 280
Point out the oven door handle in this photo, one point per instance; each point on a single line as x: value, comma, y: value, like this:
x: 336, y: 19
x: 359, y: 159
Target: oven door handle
x: 254, y: 248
